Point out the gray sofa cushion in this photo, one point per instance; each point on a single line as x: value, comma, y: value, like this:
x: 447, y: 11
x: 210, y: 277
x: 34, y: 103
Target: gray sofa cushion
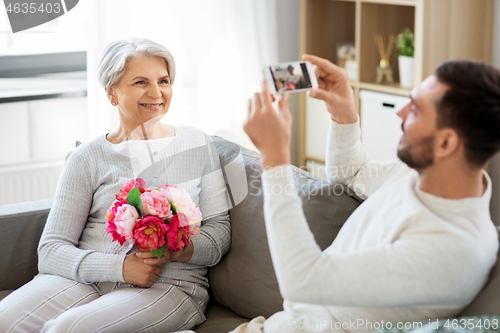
x: 20, y: 225
x: 487, y: 301
x: 244, y: 280
x: 219, y: 319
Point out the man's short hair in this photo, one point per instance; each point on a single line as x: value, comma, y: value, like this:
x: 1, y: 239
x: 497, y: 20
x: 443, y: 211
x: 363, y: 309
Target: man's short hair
x: 471, y: 106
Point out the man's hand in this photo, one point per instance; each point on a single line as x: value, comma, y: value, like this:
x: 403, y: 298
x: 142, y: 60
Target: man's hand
x: 334, y: 89
x: 270, y: 131
x: 136, y: 272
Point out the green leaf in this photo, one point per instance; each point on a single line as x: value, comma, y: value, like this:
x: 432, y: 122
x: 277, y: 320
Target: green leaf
x: 405, y: 43
x: 134, y: 199
x: 158, y: 252
x: 172, y: 206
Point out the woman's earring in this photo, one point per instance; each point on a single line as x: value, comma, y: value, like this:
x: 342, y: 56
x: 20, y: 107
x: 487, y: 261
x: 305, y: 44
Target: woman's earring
x: 113, y: 103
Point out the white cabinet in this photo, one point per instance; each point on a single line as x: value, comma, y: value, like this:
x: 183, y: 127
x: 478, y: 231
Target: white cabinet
x: 380, y: 125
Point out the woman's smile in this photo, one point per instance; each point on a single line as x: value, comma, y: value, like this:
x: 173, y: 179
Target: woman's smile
x: 152, y: 107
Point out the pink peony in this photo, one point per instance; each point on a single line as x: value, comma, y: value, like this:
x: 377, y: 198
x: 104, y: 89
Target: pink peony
x: 149, y: 233
x: 183, y: 204
x: 111, y: 212
x: 177, y: 230
x: 126, y: 216
x: 110, y: 223
x: 122, y: 195
x: 155, y: 203
x: 193, y: 230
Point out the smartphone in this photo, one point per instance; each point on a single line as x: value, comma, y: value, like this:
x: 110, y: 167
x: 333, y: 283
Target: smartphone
x: 290, y: 77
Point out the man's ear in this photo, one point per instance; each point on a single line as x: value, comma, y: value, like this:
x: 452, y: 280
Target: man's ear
x: 448, y: 142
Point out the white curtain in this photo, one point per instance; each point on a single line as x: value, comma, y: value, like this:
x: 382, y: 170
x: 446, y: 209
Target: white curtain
x: 220, y: 48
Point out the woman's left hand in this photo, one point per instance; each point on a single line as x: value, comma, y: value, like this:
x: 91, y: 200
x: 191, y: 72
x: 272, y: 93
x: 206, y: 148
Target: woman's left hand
x: 150, y: 258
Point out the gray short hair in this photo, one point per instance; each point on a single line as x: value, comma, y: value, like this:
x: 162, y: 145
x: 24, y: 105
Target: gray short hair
x: 117, y: 54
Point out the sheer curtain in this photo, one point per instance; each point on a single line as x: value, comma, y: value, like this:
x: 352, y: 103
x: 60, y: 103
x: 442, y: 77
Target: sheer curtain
x: 219, y: 46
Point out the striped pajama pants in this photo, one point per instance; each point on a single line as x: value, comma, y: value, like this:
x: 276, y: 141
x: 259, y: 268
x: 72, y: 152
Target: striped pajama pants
x: 52, y: 303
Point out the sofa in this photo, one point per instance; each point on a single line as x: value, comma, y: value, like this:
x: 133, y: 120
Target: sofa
x: 243, y: 284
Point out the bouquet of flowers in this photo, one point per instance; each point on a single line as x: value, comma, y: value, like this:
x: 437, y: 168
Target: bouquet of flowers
x: 151, y: 218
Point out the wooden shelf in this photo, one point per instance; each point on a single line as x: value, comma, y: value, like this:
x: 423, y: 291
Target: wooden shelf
x: 444, y: 29
x: 394, y: 89
x: 392, y: 2
x: 387, y: 2
x: 380, y: 19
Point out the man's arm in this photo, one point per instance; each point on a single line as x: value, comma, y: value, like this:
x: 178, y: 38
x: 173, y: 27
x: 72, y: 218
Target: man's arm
x: 346, y: 159
x: 406, y: 272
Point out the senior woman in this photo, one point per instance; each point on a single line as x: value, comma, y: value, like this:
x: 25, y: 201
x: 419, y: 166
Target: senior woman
x: 87, y: 283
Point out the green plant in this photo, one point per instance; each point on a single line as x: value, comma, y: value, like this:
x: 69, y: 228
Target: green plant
x: 405, y: 43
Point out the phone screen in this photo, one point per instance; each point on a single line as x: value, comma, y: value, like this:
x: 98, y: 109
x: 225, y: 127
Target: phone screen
x: 293, y: 76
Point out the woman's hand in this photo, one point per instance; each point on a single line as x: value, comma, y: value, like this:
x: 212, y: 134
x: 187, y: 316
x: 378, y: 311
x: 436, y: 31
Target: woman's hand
x: 151, y: 259
x: 137, y: 272
x: 270, y: 131
x: 334, y: 89
x: 181, y: 256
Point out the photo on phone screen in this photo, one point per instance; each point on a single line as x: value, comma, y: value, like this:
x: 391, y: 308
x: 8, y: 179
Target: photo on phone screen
x: 288, y: 77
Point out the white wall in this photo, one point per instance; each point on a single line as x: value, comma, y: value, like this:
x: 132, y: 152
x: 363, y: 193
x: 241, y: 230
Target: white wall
x: 494, y: 169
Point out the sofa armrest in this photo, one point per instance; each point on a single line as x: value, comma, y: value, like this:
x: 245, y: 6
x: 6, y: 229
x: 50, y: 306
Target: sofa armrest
x: 21, y: 226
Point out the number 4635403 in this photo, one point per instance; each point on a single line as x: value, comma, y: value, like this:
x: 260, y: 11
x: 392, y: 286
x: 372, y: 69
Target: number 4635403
x: 471, y: 323
x: 34, y: 8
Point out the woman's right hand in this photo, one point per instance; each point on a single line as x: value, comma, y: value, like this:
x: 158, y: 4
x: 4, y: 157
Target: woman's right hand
x: 136, y: 272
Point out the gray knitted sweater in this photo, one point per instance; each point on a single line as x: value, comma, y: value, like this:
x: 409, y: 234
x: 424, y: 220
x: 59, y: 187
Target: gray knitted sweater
x: 74, y: 243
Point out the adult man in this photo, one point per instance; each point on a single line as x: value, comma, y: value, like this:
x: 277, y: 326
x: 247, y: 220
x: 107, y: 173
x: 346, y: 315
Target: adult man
x: 296, y: 80
x: 421, y: 245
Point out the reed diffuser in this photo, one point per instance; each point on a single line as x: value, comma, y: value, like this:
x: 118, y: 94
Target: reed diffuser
x: 384, y: 70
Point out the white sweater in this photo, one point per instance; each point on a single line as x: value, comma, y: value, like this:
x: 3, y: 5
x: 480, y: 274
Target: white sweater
x: 403, y: 256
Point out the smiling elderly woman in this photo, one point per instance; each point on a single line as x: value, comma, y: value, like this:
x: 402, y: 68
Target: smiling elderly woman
x: 87, y: 283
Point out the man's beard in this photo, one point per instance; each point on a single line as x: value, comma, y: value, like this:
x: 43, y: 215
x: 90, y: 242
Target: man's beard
x: 418, y: 154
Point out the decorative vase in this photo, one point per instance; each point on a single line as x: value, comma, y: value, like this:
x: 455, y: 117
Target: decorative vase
x: 406, y: 71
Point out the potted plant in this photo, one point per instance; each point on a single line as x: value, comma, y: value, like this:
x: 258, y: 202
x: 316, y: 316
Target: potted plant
x: 405, y: 46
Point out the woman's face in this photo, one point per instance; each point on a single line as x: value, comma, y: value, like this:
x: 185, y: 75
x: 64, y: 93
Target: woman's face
x: 144, y: 91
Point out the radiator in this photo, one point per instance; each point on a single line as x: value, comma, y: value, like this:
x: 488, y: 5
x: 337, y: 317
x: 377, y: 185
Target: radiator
x: 29, y: 182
